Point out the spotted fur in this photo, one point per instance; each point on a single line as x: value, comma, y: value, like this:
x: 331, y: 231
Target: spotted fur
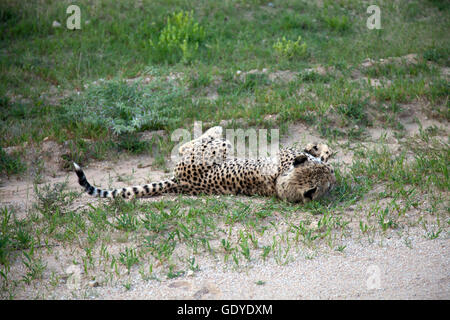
x: 207, y: 167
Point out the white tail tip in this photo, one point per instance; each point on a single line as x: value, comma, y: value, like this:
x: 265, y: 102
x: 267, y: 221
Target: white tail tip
x: 77, y: 167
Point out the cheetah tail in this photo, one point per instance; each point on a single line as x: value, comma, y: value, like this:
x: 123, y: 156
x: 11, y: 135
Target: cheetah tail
x: 152, y: 189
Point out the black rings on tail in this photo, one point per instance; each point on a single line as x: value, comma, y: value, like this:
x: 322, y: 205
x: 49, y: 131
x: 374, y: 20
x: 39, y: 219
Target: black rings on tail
x: 151, y: 189
x: 93, y: 191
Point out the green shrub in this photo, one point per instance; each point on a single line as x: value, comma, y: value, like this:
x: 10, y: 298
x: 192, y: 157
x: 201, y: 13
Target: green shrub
x: 180, y: 38
x: 10, y: 164
x: 337, y: 23
x: 441, y: 5
x: 290, y: 49
x: 296, y: 21
x: 126, y: 107
x: 354, y: 110
x: 438, y: 55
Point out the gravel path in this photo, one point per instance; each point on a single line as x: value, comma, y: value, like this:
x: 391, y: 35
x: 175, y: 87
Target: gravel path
x: 391, y: 271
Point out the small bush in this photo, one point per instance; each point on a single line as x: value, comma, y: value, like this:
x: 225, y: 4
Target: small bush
x: 180, y: 38
x: 354, y: 111
x: 438, y: 55
x: 126, y: 108
x: 255, y: 80
x: 10, y: 164
x: 53, y: 199
x: 290, y: 49
x: 337, y: 23
x: 296, y: 21
x: 312, y: 76
x: 440, y: 5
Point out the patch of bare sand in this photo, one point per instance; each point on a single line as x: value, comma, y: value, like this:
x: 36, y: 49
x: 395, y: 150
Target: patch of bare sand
x: 415, y: 120
x: 45, y: 162
x: 18, y: 192
x: 357, y: 73
x: 415, y: 116
x: 283, y: 75
x: 389, y: 271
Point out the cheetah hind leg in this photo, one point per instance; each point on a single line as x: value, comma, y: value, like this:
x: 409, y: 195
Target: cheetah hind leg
x: 214, y: 132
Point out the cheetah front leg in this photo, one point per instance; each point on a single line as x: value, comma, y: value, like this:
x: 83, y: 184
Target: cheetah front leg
x: 319, y: 150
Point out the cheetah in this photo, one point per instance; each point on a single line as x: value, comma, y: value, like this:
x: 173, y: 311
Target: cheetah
x: 207, y: 167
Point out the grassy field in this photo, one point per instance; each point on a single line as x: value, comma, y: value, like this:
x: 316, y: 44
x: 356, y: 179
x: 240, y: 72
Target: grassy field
x: 140, y: 66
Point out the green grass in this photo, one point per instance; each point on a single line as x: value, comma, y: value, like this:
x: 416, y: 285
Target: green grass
x: 222, y: 37
x: 11, y: 164
x: 135, y: 68
x: 428, y: 169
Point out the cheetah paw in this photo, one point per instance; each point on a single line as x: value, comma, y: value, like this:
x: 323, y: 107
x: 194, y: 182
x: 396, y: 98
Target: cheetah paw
x: 319, y: 150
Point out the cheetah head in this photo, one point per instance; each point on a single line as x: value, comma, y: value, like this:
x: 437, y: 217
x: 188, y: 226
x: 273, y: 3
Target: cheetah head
x: 306, y: 180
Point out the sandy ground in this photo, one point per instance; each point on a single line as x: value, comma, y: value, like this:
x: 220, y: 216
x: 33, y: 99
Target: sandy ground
x: 391, y: 271
x: 387, y: 268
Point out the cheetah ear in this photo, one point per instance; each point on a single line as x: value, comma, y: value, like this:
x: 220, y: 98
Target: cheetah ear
x: 300, y: 160
x: 309, y: 194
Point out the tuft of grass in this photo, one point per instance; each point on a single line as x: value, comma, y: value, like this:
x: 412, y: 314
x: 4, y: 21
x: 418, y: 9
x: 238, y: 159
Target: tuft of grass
x: 433, y: 234
x: 429, y: 168
x: 437, y: 54
x: 53, y: 199
x: 128, y: 258
x: 441, y: 5
x: 34, y: 267
x: 179, y: 40
x: 355, y: 111
x: 5, y: 236
x: 289, y: 49
x: 14, y: 235
x: 337, y: 23
x: 295, y: 21
x: 397, y: 70
x: 384, y: 220
x: 11, y: 164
